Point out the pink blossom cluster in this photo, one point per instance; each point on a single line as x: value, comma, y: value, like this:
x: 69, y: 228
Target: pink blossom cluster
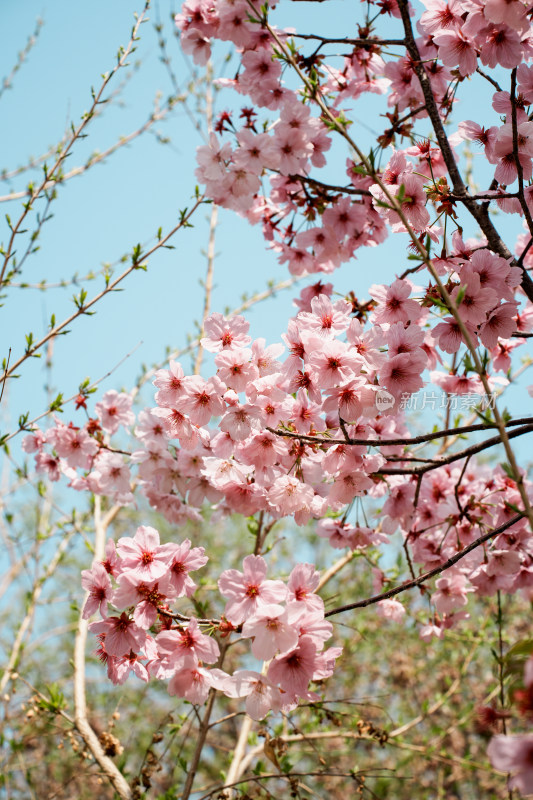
x: 284, y: 621
x: 287, y: 149
x: 498, y: 141
x: 73, y: 447
x: 485, y: 288
x: 282, y: 446
x: 454, y: 506
x: 334, y: 371
x: 494, y: 31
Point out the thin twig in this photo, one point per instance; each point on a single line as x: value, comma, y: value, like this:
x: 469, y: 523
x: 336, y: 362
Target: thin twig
x: 76, y: 134
x: 5, y: 373
x: 31, y: 605
x: 83, y: 308
x: 7, y: 82
x: 97, y: 158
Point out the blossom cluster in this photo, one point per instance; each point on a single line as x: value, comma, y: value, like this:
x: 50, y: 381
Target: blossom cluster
x: 282, y: 437
x: 339, y: 222
x: 284, y: 621
x: 495, y: 32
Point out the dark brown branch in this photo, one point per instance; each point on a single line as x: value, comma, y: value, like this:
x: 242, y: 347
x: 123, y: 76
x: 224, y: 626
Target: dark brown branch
x: 464, y: 512
x: 370, y: 42
x: 519, y: 169
x: 409, y: 458
x: 484, y: 196
x: 479, y: 212
x: 489, y: 79
x: 403, y: 587
x: 326, y: 187
x: 425, y: 437
x: 468, y: 451
x: 525, y: 251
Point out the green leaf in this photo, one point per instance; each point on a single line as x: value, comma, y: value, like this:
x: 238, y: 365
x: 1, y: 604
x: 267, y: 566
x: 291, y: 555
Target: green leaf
x: 56, y: 699
x: 57, y: 404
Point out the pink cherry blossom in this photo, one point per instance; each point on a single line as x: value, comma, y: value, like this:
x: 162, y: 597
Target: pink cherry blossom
x: 295, y: 669
x: 261, y: 694
x: 202, y: 399
x: 302, y: 584
x: 402, y: 373
x: 45, y: 462
x: 170, y: 384
x: 121, y: 635
x: 183, y: 559
x: 514, y: 754
x: 394, y: 304
x: 96, y: 582
x: 110, y: 475
x: 457, y: 50
x: 146, y: 598
x: 34, y: 442
x: 114, y: 410
x: 326, y: 318
x: 271, y: 631
x: 333, y: 364
x: 191, y: 681
x: 177, y: 646
x: 391, y: 609
x: 144, y: 558
x: 249, y: 590
x: 236, y: 369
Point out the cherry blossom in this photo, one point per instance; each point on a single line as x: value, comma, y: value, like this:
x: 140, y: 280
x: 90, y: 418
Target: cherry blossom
x: 249, y: 590
x: 96, y: 582
x: 514, y: 754
x: 114, y: 410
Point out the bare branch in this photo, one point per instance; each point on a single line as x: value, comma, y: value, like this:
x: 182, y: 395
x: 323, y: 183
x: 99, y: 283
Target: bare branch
x: 76, y: 133
x: 423, y: 438
x: 479, y: 212
x: 83, y: 308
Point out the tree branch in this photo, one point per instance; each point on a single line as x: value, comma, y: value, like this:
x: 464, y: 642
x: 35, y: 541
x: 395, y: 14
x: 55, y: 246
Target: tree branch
x: 84, y: 307
x: 76, y: 134
x: 479, y: 212
x: 403, y: 587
